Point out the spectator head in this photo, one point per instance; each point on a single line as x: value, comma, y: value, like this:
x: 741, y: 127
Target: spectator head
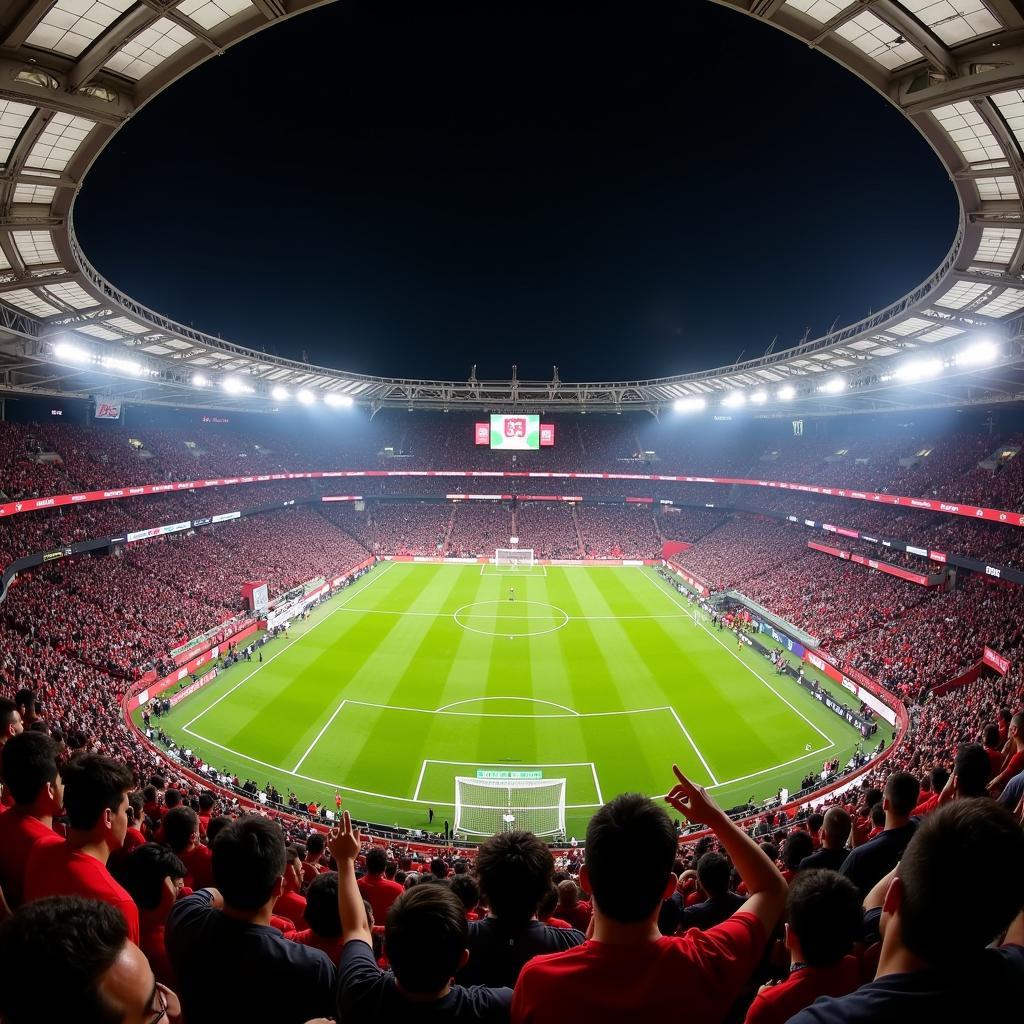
x: 315, y: 845
x: 96, y: 792
x: 153, y: 876
x: 991, y: 736
x: 391, y: 870
x: 973, y: 838
x: 426, y: 937
x: 814, y: 822
x: 836, y: 828
x: 25, y: 699
x: 937, y: 778
x: 799, y: 844
x: 899, y: 798
x: 216, y: 826
x: 248, y: 863
x: 322, y: 905
x: 411, y: 878
x: 713, y: 874
x: 438, y: 868
x: 466, y: 889
x: 1016, y: 730
x: 136, y: 804
x: 376, y: 860
x: 870, y: 797
x: 878, y: 815
x: 10, y: 720
x: 515, y: 871
x: 207, y: 802
x: 293, y: 868
x: 631, y: 848
x: 181, y: 828
x: 30, y: 772
x: 972, y: 770
x: 460, y: 867
x: 83, y: 946
x: 568, y: 894
x: 823, y: 917
x: 172, y: 798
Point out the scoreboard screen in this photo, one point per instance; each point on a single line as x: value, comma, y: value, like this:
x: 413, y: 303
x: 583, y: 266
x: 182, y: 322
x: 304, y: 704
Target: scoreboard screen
x: 515, y: 433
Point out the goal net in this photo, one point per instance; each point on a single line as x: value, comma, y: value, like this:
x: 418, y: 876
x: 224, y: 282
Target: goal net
x: 514, y: 558
x: 486, y: 806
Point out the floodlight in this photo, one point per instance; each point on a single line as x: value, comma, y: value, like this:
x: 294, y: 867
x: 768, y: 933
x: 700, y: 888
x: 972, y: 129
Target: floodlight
x: 981, y: 352
x: 734, y: 399
x: 787, y: 393
x: 689, y: 404
x: 918, y: 369
x: 833, y: 386
x: 200, y: 380
x: 306, y: 397
x: 122, y: 365
x: 234, y: 386
x: 70, y: 353
x: 759, y: 397
x: 337, y: 401
x: 280, y: 394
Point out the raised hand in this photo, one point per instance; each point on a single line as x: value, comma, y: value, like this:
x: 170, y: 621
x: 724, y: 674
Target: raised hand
x: 344, y: 842
x: 692, y: 801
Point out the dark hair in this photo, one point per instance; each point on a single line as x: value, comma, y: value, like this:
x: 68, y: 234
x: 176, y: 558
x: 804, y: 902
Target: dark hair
x: 315, y: 843
x: 902, y: 791
x: 29, y: 763
x: 465, y: 888
x: 425, y: 936
x: 25, y: 698
x: 391, y: 870
x: 215, y: 826
x: 631, y: 847
x: 547, y: 905
x: 438, y: 868
x: 972, y: 769
x: 991, y: 735
x: 206, y: 801
x: 172, y: 798
x: 136, y: 804
x: 69, y: 939
x: 248, y: 859
x: 93, y: 784
x: 824, y: 910
x: 180, y: 825
x: 322, y: 905
x: 515, y: 870
x: 799, y: 844
x: 143, y: 872
x: 8, y: 709
x: 713, y: 872
x: 837, y: 825
x: 976, y: 836
x: 376, y: 860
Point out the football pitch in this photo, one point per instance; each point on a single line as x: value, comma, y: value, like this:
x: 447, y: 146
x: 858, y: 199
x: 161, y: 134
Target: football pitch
x: 419, y: 673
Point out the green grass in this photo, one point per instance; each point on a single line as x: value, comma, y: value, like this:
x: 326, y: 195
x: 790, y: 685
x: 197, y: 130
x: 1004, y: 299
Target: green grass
x: 419, y: 673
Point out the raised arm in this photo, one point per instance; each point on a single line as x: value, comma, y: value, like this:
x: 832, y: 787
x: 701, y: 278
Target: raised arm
x: 765, y: 884
x: 344, y: 843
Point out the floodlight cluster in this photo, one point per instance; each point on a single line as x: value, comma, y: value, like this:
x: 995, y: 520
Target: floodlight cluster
x: 981, y: 352
x: 67, y: 352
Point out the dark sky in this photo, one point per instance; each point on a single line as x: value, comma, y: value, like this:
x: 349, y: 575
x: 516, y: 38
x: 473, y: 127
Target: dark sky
x: 622, y: 189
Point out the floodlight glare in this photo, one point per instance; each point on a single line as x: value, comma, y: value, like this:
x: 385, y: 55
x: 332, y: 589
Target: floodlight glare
x: 734, y: 399
x: 337, y: 401
x: 918, y: 369
x: 122, y: 365
x: 981, y: 352
x: 689, y: 404
x: 200, y: 380
x: 787, y: 393
x: 306, y: 397
x: 232, y: 386
x: 280, y: 394
x: 759, y: 397
x: 833, y: 386
x: 70, y: 353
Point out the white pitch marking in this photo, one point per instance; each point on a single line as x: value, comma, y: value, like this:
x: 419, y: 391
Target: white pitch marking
x: 696, y: 749
x: 597, y: 785
x: 419, y: 781
x: 304, y: 633
x: 532, y: 700
x: 756, y: 675
x: 318, y: 735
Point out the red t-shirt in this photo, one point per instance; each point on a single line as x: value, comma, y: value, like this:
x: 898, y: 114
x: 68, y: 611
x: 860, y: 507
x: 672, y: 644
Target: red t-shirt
x: 577, y: 916
x: 926, y: 806
x: 380, y: 893
x: 1014, y: 765
x: 995, y: 759
x: 777, y: 1003
x: 332, y: 946
x: 59, y: 869
x: 199, y: 864
x: 293, y: 906
x: 151, y: 942
x: 698, y: 975
x: 20, y: 833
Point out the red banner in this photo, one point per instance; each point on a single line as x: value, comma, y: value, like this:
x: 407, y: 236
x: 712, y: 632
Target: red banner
x: 874, y: 563
x: 995, y: 660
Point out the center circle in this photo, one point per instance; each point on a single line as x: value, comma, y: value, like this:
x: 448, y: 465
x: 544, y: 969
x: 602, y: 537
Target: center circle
x: 510, y: 618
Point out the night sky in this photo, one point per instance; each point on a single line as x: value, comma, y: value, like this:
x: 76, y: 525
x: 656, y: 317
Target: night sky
x: 622, y: 189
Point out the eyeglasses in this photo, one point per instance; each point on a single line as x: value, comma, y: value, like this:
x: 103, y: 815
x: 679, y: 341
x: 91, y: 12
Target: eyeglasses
x: 161, y: 1001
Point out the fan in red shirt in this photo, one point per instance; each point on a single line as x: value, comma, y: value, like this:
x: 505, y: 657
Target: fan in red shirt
x: 628, y: 970
x: 312, y: 863
x: 324, y: 931
x: 1014, y: 763
x: 378, y: 891
x: 181, y: 833
x: 824, y: 920
x: 291, y: 903
x: 11, y: 725
x: 31, y: 775
x: 571, y: 908
x: 154, y: 877
x: 96, y: 803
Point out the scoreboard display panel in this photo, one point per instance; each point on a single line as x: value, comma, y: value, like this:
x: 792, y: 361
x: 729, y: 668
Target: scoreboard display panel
x: 515, y: 432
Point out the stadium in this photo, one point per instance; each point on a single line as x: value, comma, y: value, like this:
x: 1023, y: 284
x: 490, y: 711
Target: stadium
x: 253, y: 597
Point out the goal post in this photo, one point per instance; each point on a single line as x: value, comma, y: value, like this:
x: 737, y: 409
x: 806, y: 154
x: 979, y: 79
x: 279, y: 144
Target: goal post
x: 514, y: 558
x: 484, y: 807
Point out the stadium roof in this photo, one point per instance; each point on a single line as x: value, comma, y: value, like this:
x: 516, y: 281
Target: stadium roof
x: 73, y: 71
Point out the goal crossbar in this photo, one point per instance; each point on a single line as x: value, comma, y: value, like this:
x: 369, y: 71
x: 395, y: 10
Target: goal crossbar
x: 514, y: 557
x: 484, y: 807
